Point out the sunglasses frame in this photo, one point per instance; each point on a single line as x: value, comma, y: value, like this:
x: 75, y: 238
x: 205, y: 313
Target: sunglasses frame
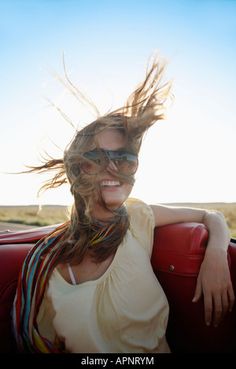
x: 109, y: 155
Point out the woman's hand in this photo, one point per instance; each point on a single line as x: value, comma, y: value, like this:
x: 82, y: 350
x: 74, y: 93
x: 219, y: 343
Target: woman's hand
x: 214, y: 283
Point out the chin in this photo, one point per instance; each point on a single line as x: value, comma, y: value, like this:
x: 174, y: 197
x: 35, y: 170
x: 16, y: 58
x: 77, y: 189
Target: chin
x: 114, y: 203
x: 114, y: 200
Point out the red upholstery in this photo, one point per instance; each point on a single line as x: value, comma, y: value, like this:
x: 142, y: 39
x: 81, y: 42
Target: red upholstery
x: 11, y: 259
x: 177, y: 254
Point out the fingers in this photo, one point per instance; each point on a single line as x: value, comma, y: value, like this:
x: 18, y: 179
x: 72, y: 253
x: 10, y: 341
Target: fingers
x: 198, y: 292
x: 208, y: 306
x: 218, y: 309
x: 218, y: 296
x: 231, y: 297
x: 217, y: 306
x: 225, y: 302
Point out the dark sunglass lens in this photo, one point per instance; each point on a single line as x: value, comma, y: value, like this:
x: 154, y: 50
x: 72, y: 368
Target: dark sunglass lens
x: 127, y: 166
x: 94, y: 162
x: 90, y: 167
x: 75, y: 168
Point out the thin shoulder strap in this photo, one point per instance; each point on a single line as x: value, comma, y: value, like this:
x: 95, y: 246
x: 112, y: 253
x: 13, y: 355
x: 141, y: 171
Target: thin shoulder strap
x: 72, y: 275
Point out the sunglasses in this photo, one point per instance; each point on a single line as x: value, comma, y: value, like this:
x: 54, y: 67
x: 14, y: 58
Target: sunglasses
x: 98, y: 160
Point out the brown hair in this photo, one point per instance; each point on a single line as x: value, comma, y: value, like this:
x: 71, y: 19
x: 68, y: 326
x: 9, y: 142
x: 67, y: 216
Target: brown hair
x: 143, y: 108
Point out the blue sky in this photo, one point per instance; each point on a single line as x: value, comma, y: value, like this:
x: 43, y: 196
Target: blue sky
x: 189, y: 157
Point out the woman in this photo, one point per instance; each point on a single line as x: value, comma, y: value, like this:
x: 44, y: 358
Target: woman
x: 89, y: 286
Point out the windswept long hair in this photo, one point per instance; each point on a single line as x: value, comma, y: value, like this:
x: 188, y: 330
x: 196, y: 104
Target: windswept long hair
x: 145, y: 106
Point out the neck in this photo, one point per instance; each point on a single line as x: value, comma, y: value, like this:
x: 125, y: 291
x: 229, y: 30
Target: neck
x: 101, y: 213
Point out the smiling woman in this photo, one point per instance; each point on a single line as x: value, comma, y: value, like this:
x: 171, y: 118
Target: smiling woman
x: 89, y: 286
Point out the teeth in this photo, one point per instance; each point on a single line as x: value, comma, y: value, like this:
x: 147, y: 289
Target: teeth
x: 110, y: 183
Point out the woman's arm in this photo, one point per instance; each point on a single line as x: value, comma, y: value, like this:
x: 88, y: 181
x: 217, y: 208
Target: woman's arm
x: 213, y: 280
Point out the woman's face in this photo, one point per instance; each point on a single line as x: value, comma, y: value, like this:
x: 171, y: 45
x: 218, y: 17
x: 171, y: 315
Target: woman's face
x: 114, y: 192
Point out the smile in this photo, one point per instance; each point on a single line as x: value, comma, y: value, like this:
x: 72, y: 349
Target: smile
x: 109, y: 183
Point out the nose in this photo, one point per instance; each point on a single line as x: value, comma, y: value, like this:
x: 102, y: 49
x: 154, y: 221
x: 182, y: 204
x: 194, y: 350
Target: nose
x: 111, y: 166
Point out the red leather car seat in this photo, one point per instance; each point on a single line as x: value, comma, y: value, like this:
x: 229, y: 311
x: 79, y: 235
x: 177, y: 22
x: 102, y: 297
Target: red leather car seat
x: 11, y: 259
x: 177, y: 255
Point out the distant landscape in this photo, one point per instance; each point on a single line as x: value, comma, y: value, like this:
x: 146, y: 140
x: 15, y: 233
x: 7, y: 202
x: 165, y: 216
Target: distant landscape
x: 53, y: 214
x: 34, y: 215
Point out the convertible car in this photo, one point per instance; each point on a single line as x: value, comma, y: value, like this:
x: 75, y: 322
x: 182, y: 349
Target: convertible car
x: 178, y: 251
